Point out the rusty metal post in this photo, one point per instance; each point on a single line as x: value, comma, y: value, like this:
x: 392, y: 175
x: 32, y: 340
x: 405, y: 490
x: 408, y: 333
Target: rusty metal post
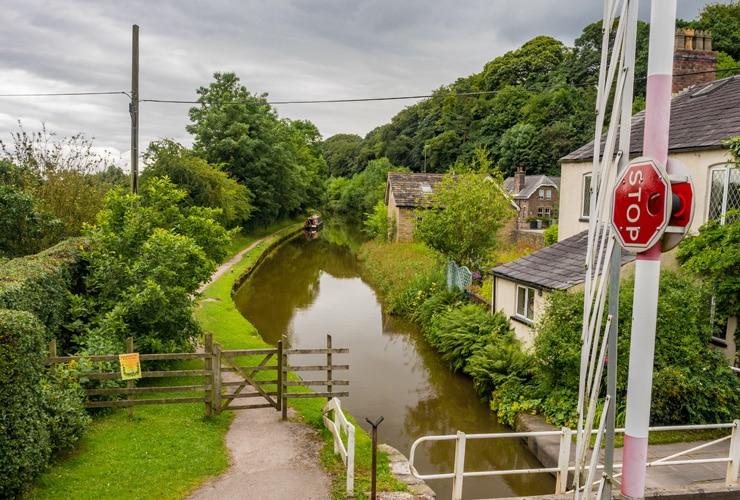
x: 374, y: 454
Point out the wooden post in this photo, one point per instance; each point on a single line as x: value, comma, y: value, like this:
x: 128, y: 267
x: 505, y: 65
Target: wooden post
x: 53, y: 354
x: 283, y: 369
x: 130, y: 383
x: 217, y: 377
x: 328, y: 370
x: 208, y: 366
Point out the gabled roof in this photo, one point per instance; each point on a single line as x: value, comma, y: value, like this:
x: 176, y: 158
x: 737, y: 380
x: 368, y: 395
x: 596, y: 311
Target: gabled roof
x: 410, y: 189
x: 557, y: 267
x: 531, y: 184
x: 701, y: 118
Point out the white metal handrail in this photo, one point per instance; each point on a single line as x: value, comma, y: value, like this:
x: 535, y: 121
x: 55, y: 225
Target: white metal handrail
x: 563, y: 468
x: 336, y: 426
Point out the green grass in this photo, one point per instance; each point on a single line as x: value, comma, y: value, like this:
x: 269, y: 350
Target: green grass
x: 163, y: 452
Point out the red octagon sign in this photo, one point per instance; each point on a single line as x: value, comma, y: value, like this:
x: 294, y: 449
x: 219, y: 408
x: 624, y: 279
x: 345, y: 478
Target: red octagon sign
x: 641, y: 204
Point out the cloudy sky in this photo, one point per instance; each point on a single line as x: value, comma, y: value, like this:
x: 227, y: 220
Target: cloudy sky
x: 293, y: 50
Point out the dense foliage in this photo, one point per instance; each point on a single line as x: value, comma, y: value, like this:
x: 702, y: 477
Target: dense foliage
x: 279, y: 162
x: 148, y: 254
x: 692, y: 383
x: 66, y: 178
x: 205, y: 185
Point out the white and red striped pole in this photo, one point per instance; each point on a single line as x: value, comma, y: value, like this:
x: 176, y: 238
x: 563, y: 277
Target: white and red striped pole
x: 647, y: 267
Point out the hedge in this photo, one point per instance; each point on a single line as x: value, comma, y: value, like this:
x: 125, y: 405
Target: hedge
x: 25, y: 443
x: 40, y: 283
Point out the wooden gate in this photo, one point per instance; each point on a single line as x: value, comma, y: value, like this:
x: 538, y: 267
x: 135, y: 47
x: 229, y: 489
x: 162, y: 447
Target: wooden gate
x: 232, y: 379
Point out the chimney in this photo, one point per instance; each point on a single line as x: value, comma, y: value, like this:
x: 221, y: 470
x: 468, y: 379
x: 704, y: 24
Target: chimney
x: 519, y: 180
x: 694, y: 62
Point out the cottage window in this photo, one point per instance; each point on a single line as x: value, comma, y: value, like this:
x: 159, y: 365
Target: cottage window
x: 586, y: 196
x: 542, y: 194
x: 548, y: 194
x: 540, y: 212
x: 724, y: 191
x: 525, y: 302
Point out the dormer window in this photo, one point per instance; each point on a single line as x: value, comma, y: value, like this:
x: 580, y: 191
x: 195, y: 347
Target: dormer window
x: 426, y: 188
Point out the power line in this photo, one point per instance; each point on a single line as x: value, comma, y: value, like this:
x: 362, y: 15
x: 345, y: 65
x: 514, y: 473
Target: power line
x: 65, y: 94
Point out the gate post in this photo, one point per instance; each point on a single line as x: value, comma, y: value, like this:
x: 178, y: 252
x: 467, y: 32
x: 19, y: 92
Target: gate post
x: 282, y: 377
x: 130, y: 383
x: 208, y: 366
x: 329, y: 387
x: 217, y: 377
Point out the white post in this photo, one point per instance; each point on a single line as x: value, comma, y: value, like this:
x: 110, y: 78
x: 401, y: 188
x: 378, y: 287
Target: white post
x: 734, y: 466
x: 561, y: 484
x: 457, y: 480
x: 350, y: 460
x: 647, y: 267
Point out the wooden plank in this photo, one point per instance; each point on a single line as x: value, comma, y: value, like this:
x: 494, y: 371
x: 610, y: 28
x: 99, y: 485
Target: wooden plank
x: 317, y: 368
x: 140, y: 402
x: 250, y: 407
x: 303, y: 395
x: 114, y: 357
x: 322, y: 350
x: 247, y: 352
x: 293, y: 383
x: 145, y: 390
x: 246, y: 395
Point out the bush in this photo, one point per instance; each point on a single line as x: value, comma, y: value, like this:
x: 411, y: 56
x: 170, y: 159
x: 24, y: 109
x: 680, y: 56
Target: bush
x: 63, y: 400
x: 550, y: 235
x: 25, y: 443
x: 692, y: 384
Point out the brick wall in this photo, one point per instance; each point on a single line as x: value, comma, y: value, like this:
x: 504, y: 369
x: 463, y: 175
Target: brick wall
x: 694, y: 62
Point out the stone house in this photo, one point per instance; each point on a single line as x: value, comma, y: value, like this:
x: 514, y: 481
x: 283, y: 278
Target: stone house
x: 536, y: 197
x: 404, y: 193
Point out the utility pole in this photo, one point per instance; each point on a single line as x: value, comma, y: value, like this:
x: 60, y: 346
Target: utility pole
x: 134, y: 111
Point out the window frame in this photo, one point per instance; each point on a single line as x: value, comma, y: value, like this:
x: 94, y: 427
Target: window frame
x: 586, y: 193
x: 527, y: 311
x: 726, y: 171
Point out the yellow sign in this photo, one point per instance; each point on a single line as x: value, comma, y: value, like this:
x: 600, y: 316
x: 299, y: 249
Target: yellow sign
x: 130, y: 366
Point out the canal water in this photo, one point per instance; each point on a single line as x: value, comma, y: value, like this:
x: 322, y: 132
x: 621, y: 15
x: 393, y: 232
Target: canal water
x: 310, y: 288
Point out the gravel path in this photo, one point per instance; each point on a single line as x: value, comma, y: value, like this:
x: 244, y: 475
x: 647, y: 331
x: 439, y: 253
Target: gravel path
x: 270, y: 459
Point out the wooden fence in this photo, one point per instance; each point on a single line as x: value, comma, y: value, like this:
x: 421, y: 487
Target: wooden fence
x: 227, y: 376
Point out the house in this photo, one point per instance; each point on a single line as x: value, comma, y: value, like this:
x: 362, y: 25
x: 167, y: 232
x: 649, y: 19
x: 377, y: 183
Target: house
x: 520, y: 287
x: 405, y: 192
x: 536, y: 197
x: 702, y: 117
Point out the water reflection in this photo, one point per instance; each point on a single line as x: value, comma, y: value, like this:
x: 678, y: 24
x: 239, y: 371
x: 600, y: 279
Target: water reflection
x: 309, y: 288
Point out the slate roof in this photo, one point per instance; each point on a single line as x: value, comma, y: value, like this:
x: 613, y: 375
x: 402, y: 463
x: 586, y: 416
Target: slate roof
x: 557, y: 267
x: 407, y: 187
x: 702, y: 116
x: 531, y: 184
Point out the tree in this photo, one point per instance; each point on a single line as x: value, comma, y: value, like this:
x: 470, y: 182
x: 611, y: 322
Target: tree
x: 64, y: 171
x: 340, y: 153
x: 465, y: 213
x: 148, y: 255
x: 206, y: 185
x: 242, y: 131
x: 24, y: 228
x: 723, y: 21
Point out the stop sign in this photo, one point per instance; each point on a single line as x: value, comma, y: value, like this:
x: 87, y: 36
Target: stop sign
x: 641, y: 204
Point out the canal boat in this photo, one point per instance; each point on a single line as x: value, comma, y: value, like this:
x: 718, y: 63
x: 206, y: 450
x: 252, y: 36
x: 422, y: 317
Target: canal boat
x: 313, y: 223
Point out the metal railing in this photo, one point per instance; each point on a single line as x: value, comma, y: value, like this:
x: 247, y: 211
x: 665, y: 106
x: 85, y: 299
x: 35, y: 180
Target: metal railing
x: 336, y: 426
x: 563, y: 468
